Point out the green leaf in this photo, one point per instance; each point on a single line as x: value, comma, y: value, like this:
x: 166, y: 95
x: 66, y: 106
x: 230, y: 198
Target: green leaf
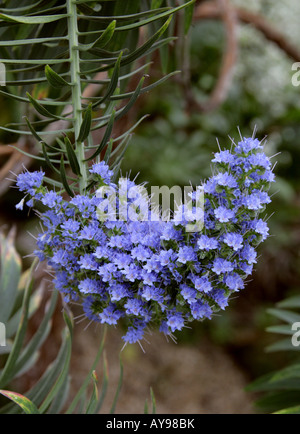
x: 92, y: 405
x: 139, y: 52
x: 188, y: 17
x: 72, y: 157
x: 281, y: 329
x: 47, y: 159
x: 113, y: 408
x: 87, y: 380
x: 61, y: 397
x: 54, y: 79
x: 146, y: 408
x: 108, y: 151
x: 104, y: 384
x: 9, y: 277
x: 282, y: 345
x: 39, y: 108
x: 86, y: 125
x: 40, y: 336
x: 155, y: 4
x: 290, y: 303
x: 65, y: 370
x: 153, y: 401
x: 26, y: 405
x: 106, y: 137
x: 113, y: 82
x: 274, y: 401
x: 43, y: 19
x: 292, y: 371
x: 64, y: 178
x: 103, y: 40
x: 9, y: 367
x: 291, y: 410
x: 285, y: 315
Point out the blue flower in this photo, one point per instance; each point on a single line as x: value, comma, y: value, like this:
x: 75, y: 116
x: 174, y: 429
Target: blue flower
x: 249, y: 254
x: 102, y: 169
x: 234, y: 282
x: 222, y: 266
x: 51, y: 199
x: 261, y: 228
x: 134, y: 307
x: 134, y: 334
x: 234, y: 240
x: 201, y: 310
x: 203, y: 284
x: 223, y: 214
x: 226, y: 180
x: 90, y: 286
x: 224, y: 157
x: 110, y: 315
x: 186, y: 254
x: 175, y: 321
x: 189, y: 294
x: 207, y: 243
x: 220, y: 297
x: 29, y: 182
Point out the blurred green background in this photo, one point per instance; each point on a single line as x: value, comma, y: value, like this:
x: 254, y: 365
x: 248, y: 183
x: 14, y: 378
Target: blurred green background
x: 174, y: 146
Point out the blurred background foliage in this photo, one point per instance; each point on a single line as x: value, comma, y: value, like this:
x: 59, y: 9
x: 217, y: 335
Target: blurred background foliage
x: 250, y: 88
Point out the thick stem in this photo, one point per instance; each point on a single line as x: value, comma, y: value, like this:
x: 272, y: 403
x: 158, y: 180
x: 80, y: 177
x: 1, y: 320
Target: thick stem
x: 76, y: 89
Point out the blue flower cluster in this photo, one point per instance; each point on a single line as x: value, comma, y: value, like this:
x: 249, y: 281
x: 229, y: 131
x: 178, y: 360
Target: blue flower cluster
x: 154, y: 273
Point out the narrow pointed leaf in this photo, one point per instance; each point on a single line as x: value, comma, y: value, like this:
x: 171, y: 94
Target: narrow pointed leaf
x: 108, y: 152
x: 54, y: 79
x: 113, y: 408
x: 92, y: 405
x: 188, y: 17
x: 155, y: 4
x: 65, y: 370
x: 113, y: 83
x: 103, y: 40
x: 104, y: 384
x: 86, y: 125
x: 87, y: 380
x: 72, y: 157
x: 39, y: 108
x: 153, y: 401
x: 26, y: 405
x: 43, y: 19
x: 64, y: 178
x: 9, y: 277
x: 47, y: 159
x: 107, y: 35
x: 106, y: 137
x: 8, y: 370
x: 132, y: 100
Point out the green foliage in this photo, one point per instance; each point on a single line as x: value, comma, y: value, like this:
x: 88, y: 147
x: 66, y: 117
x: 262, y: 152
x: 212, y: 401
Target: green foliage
x: 54, y: 50
x: 50, y: 394
x: 282, y: 388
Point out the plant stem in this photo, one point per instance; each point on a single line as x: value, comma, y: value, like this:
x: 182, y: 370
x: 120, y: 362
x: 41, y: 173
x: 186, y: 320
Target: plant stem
x: 76, y: 89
